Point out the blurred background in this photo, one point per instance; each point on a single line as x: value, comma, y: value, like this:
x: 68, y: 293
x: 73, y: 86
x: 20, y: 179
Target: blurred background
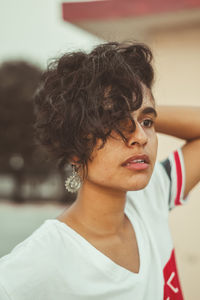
x: 31, y: 33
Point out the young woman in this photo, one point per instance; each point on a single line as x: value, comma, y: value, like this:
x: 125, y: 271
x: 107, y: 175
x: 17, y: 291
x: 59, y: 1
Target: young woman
x: 97, y: 113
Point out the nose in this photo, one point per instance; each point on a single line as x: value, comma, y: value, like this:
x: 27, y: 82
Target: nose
x: 139, y: 136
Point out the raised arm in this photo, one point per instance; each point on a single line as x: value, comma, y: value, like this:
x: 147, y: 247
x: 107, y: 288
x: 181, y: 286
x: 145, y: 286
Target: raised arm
x: 184, y: 123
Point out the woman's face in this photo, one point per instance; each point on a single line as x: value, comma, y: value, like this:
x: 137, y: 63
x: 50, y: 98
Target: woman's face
x: 127, y: 166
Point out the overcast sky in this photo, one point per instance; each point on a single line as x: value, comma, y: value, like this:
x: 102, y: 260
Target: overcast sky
x: 34, y: 30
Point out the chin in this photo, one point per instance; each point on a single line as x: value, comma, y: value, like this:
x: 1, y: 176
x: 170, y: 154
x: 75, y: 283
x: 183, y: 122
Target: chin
x: 138, y: 186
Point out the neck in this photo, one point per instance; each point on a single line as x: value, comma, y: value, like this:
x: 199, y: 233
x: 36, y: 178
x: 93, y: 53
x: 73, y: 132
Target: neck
x: 99, y: 209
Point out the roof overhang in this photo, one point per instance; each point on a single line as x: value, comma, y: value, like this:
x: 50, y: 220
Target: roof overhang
x: 127, y: 18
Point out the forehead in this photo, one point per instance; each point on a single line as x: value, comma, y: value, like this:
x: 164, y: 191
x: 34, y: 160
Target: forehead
x: 147, y: 97
x: 148, y: 101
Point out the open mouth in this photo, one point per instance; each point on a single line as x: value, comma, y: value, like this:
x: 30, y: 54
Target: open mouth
x: 141, y: 162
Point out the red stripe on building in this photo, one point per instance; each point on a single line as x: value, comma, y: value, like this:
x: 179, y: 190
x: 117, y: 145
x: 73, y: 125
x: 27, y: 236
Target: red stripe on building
x: 116, y: 9
x: 179, y: 177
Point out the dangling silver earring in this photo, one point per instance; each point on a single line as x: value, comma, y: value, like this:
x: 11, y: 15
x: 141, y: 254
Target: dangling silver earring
x: 73, y: 183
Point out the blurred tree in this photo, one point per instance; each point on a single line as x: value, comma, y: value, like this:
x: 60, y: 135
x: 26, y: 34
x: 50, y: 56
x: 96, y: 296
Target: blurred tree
x: 19, y: 155
x: 18, y: 82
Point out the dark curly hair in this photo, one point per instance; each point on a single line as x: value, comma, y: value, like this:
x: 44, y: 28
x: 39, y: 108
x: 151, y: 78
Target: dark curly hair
x: 84, y: 97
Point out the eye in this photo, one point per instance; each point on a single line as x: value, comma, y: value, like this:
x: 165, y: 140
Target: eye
x: 147, y: 123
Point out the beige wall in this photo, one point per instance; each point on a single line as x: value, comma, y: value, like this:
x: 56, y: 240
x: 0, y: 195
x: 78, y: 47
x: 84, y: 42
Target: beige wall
x: 177, y: 64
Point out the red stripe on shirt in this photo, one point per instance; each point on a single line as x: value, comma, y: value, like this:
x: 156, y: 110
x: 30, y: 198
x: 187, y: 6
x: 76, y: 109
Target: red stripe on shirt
x: 172, y: 287
x: 179, y: 177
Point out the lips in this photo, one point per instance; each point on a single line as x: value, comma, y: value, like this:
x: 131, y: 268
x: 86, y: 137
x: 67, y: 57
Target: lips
x: 135, y: 159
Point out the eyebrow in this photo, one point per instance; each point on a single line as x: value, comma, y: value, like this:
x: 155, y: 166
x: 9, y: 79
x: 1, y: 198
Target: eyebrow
x: 149, y: 110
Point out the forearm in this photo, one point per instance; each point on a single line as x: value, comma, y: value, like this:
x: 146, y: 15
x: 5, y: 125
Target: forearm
x: 179, y: 121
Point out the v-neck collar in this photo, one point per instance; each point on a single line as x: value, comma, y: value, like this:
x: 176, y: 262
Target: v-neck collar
x: 103, y: 262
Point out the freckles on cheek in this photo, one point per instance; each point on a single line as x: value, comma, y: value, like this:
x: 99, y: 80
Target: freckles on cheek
x: 106, y: 166
x: 106, y: 169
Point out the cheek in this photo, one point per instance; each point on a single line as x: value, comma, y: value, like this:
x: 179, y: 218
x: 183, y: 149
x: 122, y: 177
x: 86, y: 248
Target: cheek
x: 155, y: 141
x: 155, y: 148
x: 153, y: 144
x: 153, y: 138
x: 100, y: 172
x: 105, y: 162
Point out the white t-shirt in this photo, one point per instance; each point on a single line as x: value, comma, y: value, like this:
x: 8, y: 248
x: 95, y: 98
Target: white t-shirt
x: 55, y: 262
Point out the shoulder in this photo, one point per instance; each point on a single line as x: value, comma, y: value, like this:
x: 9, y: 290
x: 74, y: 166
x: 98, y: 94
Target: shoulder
x: 33, y: 244
x: 30, y: 261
